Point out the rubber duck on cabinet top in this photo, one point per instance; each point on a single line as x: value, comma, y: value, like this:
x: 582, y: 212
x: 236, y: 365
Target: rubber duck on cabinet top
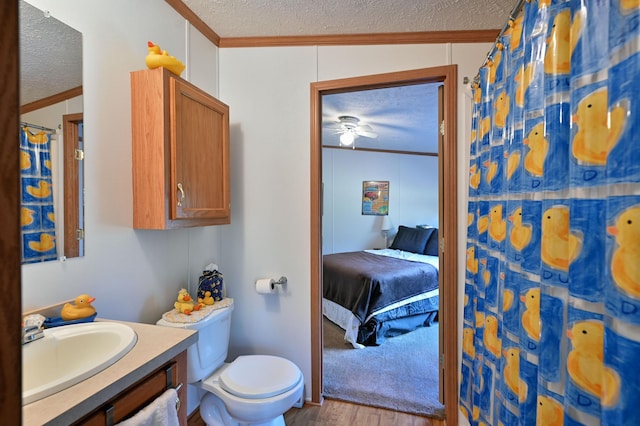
x: 160, y: 58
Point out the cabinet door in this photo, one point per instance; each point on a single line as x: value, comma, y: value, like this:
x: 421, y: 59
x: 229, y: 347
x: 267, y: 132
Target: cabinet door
x: 199, y: 155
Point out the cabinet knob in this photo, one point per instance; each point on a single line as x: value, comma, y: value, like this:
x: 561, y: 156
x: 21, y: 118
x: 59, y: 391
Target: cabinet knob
x: 181, y: 194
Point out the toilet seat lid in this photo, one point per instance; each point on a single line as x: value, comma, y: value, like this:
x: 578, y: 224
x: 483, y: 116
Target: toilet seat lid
x: 259, y: 376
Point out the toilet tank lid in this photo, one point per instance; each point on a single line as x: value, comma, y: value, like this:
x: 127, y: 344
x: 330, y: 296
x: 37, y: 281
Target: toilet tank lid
x: 260, y: 376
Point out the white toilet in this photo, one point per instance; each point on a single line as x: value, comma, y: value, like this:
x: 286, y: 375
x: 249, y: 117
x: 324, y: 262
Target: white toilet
x: 252, y: 390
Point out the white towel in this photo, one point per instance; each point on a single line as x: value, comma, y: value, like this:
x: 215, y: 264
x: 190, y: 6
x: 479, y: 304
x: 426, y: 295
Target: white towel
x: 161, y: 412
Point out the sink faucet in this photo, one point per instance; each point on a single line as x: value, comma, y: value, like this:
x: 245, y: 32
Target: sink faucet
x: 31, y: 333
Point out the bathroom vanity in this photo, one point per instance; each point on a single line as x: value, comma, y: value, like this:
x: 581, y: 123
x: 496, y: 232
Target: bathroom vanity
x: 156, y: 362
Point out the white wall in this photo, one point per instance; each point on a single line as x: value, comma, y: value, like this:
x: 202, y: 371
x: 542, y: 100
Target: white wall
x: 268, y: 92
x: 413, y: 196
x: 134, y: 275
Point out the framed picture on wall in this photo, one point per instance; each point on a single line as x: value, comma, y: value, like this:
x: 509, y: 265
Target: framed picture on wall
x: 375, y: 197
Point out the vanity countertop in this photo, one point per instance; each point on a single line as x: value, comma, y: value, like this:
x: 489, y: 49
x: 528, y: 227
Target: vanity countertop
x: 155, y: 346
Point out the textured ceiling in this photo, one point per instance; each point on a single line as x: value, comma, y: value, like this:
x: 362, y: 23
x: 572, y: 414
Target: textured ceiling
x: 246, y: 18
x: 50, y: 55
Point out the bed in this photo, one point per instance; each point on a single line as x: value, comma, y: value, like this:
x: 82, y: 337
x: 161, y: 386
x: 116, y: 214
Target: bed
x: 377, y: 294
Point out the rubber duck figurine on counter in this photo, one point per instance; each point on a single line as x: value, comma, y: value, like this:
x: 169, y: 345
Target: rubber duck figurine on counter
x: 160, y: 58
x: 80, y: 309
x: 185, y: 304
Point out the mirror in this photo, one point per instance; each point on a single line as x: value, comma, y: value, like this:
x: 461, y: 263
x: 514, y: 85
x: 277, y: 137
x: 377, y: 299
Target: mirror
x: 51, y: 115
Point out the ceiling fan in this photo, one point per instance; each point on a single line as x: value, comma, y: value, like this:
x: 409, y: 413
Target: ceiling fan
x: 349, y: 129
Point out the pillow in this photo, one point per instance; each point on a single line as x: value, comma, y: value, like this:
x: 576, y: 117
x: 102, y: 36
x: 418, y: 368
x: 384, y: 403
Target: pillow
x: 411, y: 239
x: 431, y: 247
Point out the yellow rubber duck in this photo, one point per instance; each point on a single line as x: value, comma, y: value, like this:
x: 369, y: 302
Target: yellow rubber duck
x: 38, y: 138
x: 485, y: 126
x: 486, y: 274
x: 497, y: 225
x: 627, y: 5
x: 585, y: 362
x: 43, y: 190
x: 46, y: 243
x: 598, y: 129
x: 520, y: 235
x: 467, y: 342
x: 185, y: 304
x: 501, y: 106
x: 561, y: 42
x: 492, y: 170
x: 26, y: 216
x: 25, y: 160
x: 513, y: 161
x: 160, y: 58
x: 207, y: 299
x: 523, y: 80
x: 558, y: 246
x: 490, y: 337
x: 531, y: 315
x: 80, y: 309
x: 507, y: 300
x: 538, y: 148
x: 515, y: 30
x: 483, y: 223
x: 474, y: 179
x: 493, y: 65
x: 472, y: 262
x: 511, y: 373
x: 624, y: 263
x: 549, y: 411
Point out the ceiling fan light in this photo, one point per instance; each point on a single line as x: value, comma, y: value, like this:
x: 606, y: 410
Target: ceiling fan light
x: 347, y: 138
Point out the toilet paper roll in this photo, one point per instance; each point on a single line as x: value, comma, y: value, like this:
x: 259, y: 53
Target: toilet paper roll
x: 265, y: 286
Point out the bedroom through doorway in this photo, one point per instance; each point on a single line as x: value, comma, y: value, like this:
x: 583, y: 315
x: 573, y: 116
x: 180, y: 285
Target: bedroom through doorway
x: 325, y: 147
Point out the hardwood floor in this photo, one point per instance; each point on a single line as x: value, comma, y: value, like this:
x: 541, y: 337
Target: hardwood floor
x: 338, y: 413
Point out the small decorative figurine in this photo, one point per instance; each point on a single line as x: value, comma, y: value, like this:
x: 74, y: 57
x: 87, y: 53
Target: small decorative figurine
x: 160, y: 58
x: 185, y: 303
x: 81, y: 309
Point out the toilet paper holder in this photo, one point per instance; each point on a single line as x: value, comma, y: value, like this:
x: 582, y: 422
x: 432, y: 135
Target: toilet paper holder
x: 281, y: 282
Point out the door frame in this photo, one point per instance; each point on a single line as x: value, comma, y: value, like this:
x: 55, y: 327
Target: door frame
x: 447, y: 200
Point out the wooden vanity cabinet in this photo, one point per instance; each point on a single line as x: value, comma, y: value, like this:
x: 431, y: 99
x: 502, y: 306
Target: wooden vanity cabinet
x: 143, y: 393
x: 180, y: 153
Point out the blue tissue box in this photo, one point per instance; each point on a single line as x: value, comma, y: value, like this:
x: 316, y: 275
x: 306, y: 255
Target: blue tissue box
x: 211, y: 281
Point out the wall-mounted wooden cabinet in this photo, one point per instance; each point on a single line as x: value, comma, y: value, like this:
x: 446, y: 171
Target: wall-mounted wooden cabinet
x: 180, y: 153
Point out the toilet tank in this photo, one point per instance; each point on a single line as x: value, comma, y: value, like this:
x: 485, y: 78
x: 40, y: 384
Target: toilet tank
x: 210, y: 351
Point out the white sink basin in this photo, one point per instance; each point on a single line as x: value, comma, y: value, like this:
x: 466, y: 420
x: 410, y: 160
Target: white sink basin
x: 69, y: 354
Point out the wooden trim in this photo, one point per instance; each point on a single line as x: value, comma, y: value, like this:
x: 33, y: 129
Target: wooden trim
x: 51, y: 100
x: 70, y: 124
x: 194, y: 20
x: 425, y: 37
x: 316, y: 245
x: 10, y: 246
x: 386, y: 151
x: 448, y: 222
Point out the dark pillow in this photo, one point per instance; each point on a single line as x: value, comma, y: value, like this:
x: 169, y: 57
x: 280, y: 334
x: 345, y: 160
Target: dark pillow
x: 431, y: 247
x: 411, y: 239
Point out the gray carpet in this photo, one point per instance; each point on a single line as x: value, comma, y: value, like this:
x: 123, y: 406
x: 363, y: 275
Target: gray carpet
x: 401, y: 374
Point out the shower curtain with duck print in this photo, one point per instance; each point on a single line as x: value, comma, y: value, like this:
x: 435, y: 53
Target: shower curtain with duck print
x: 37, y: 212
x: 551, y: 331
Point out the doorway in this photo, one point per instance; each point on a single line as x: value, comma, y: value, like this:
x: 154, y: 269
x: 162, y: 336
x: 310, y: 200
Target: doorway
x: 447, y: 160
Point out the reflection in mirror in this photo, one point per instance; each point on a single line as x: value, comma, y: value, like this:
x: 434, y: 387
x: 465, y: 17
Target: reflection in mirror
x: 51, y: 145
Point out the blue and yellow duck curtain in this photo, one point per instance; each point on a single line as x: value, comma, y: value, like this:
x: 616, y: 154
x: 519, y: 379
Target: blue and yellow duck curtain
x: 37, y: 208
x: 551, y: 331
